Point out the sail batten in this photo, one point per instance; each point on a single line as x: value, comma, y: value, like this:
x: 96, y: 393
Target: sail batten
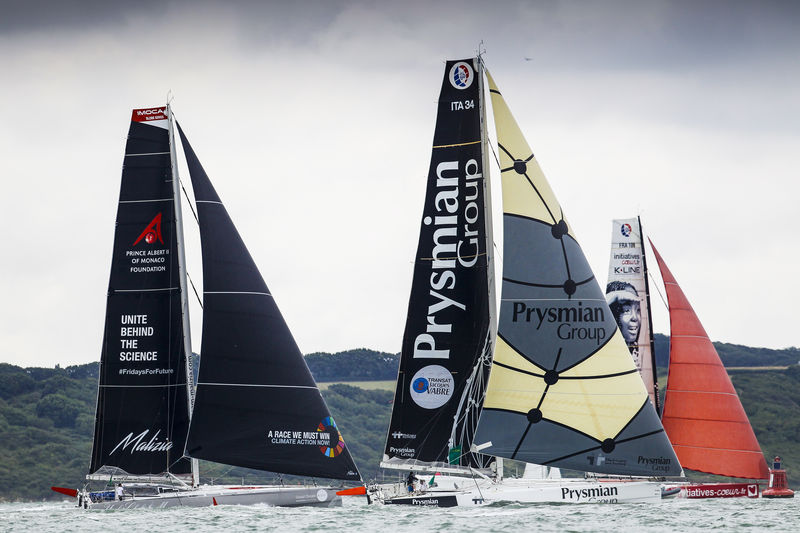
x: 702, y: 414
x: 563, y: 389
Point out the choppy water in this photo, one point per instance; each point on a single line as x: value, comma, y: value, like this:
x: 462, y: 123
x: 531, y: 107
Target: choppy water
x: 739, y: 514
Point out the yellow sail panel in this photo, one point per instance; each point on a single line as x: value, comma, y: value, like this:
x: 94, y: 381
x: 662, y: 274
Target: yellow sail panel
x: 608, y: 360
x: 599, y: 407
x: 519, y: 196
x: 508, y: 356
x: 513, y: 391
x: 582, y: 398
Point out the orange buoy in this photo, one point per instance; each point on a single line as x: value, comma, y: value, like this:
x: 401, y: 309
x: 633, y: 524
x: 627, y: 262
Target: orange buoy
x: 778, y: 484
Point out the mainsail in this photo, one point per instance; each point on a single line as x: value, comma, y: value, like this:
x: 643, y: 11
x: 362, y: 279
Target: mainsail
x: 448, y: 338
x: 142, y: 404
x: 563, y: 389
x: 256, y: 405
x: 628, y: 297
x: 702, y: 414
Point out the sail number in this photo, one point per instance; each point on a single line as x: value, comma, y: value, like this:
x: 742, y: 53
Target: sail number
x: 459, y: 105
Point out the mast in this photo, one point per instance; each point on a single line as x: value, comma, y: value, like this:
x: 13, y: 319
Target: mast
x: 649, y: 320
x: 184, y: 297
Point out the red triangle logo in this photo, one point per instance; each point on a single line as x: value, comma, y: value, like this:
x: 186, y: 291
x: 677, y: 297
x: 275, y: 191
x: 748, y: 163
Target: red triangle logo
x: 151, y: 232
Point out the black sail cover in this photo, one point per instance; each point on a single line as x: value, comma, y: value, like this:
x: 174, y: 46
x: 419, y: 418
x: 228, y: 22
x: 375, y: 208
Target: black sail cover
x: 142, y: 407
x: 447, y: 328
x: 256, y: 403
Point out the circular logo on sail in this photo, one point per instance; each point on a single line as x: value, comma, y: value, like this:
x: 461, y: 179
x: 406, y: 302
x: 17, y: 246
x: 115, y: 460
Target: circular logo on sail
x: 432, y: 386
x: 327, y: 428
x: 461, y: 75
x: 625, y: 229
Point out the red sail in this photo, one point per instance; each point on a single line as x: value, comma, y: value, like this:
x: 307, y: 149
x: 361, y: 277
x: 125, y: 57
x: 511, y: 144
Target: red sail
x: 702, y: 415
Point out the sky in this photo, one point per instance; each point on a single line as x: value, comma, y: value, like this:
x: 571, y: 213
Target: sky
x: 314, y: 120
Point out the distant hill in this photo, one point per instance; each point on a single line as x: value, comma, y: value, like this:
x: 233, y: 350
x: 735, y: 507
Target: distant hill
x: 735, y: 354
x: 47, y: 417
x: 353, y: 365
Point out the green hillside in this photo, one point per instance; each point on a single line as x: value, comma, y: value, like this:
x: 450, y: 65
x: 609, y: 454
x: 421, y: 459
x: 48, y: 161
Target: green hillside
x: 47, y: 416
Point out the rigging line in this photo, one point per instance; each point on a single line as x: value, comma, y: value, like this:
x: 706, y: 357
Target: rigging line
x: 199, y: 301
x: 541, y: 198
x: 566, y: 261
x: 521, y: 439
x: 496, y: 160
x: 186, y: 194
x: 658, y: 290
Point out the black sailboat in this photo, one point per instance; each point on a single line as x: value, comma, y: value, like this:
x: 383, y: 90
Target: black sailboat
x: 448, y: 338
x: 256, y: 402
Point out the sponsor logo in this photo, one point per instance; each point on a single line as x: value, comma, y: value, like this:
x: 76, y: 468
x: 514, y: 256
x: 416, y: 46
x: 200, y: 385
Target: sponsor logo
x: 403, y: 452
x: 432, y: 386
x: 450, y: 253
x: 401, y: 435
x: 151, y: 232
x: 461, y: 75
x: 590, y: 494
x: 146, y: 115
x: 601, y: 460
x: 723, y: 491
x: 625, y: 229
x: 326, y: 437
x: 140, y: 444
x: 656, y: 464
x: 336, y: 445
x: 429, y: 501
x: 566, y: 317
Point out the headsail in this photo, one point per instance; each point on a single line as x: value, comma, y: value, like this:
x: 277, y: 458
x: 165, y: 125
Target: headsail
x: 142, y: 405
x: 257, y: 404
x: 628, y: 297
x: 563, y: 389
x: 448, y: 338
x: 702, y: 414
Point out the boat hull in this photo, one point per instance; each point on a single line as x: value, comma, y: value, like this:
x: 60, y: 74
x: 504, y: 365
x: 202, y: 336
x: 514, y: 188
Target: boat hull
x: 521, y: 491
x: 221, y: 495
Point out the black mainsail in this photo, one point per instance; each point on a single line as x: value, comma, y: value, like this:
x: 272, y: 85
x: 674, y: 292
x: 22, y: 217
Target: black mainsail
x: 256, y: 404
x: 142, y: 405
x: 448, y: 338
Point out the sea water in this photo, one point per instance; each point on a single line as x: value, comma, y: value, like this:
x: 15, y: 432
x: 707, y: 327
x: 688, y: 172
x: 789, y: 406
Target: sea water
x: 737, y: 514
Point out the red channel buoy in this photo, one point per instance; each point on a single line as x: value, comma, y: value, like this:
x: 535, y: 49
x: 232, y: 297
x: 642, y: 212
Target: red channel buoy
x: 778, y: 484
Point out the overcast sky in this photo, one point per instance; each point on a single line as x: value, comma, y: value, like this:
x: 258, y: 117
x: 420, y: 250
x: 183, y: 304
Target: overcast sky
x: 314, y: 120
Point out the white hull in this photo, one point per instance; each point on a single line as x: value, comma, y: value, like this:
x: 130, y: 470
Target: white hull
x: 452, y: 492
x: 209, y: 495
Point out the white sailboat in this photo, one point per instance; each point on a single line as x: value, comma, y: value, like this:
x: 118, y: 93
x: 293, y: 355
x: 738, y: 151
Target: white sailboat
x: 255, y: 405
x: 563, y: 391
